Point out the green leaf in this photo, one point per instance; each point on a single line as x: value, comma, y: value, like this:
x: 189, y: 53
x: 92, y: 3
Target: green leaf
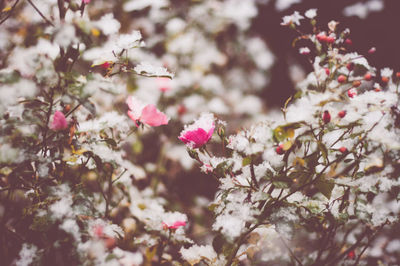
x: 325, y: 187
x: 246, y: 161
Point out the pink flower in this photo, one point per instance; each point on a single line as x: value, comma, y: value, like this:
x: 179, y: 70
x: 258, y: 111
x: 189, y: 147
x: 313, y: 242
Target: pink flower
x: 147, y: 114
x: 86, y: 1
x: 175, y: 225
x: 59, y: 122
x: 200, y: 132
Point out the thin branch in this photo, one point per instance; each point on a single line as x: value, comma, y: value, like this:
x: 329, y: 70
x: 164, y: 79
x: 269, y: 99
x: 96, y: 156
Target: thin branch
x: 11, y: 11
x: 40, y: 13
x: 290, y: 251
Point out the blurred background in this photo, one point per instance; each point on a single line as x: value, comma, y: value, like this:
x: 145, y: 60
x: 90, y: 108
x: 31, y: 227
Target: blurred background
x: 373, y: 23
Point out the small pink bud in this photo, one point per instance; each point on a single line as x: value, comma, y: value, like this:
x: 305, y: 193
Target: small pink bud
x: 342, y: 113
x: 175, y: 225
x: 59, y: 121
x: 348, y: 41
x: 279, y: 150
x: 351, y: 255
x: 372, y: 50
x: 350, y: 66
x: 326, y: 117
x: 342, y: 79
x: 397, y: 74
x: 368, y: 76
x: 343, y: 149
x: 385, y: 79
x: 327, y: 71
x: 352, y: 92
x: 330, y: 39
x: 321, y: 37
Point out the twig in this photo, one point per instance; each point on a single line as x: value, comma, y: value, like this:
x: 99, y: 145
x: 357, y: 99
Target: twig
x: 11, y: 11
x: 40, y: 13
x: 290, y: 251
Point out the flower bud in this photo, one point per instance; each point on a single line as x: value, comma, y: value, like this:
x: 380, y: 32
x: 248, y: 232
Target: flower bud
x: 342, y: 79
x: 279, y: 150
x: 326, y: 117
x: 352, y: 92
x: 342, y: 113
x: 356, y: 83
x: 350, y: 66
x: 343, y: 149
x: 385, y: 79
x: 327, y: 71
x: 368, y: 76
x: 348, y: 41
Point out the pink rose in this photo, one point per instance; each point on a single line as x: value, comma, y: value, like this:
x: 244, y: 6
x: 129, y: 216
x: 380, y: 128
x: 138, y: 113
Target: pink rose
x: 198, y: 133
x: 147, y: 114
x: 59, y: 121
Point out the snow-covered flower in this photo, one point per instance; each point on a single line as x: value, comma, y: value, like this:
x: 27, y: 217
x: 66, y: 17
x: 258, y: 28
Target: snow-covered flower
x: 292, y: 19
x: 304, y: 50
x: 128, y: 41
x: 59, y: 121
x: 311, y: 13
x: 147, y: 114
x: 200, y: 132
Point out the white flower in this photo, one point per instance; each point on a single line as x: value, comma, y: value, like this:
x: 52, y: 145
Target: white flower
x: 386, y: 72
x: 294, y: 18
x: 311, y: 13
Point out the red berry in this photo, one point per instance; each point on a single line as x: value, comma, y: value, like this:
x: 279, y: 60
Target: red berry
x: 368, y: 76
x: 352, y: 92
x: 342, y: 113
x: 356, y: 83
x: 326, y: 117
x: 181, y: 109
x: 343, y: 149
x: 350, y: 66
x: 385, y: 79
x: 321, y: 37
x: 342, y: 79
x: 348, y: 41
x: 351, y: 255
x: 327, y: 71
x: 279, y: 150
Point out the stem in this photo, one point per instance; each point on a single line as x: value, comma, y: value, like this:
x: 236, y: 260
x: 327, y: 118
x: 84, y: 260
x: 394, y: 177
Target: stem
x: 11, y: 11
x: 239, y: 243
x: 290, y: 251
x: 253, y: 175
